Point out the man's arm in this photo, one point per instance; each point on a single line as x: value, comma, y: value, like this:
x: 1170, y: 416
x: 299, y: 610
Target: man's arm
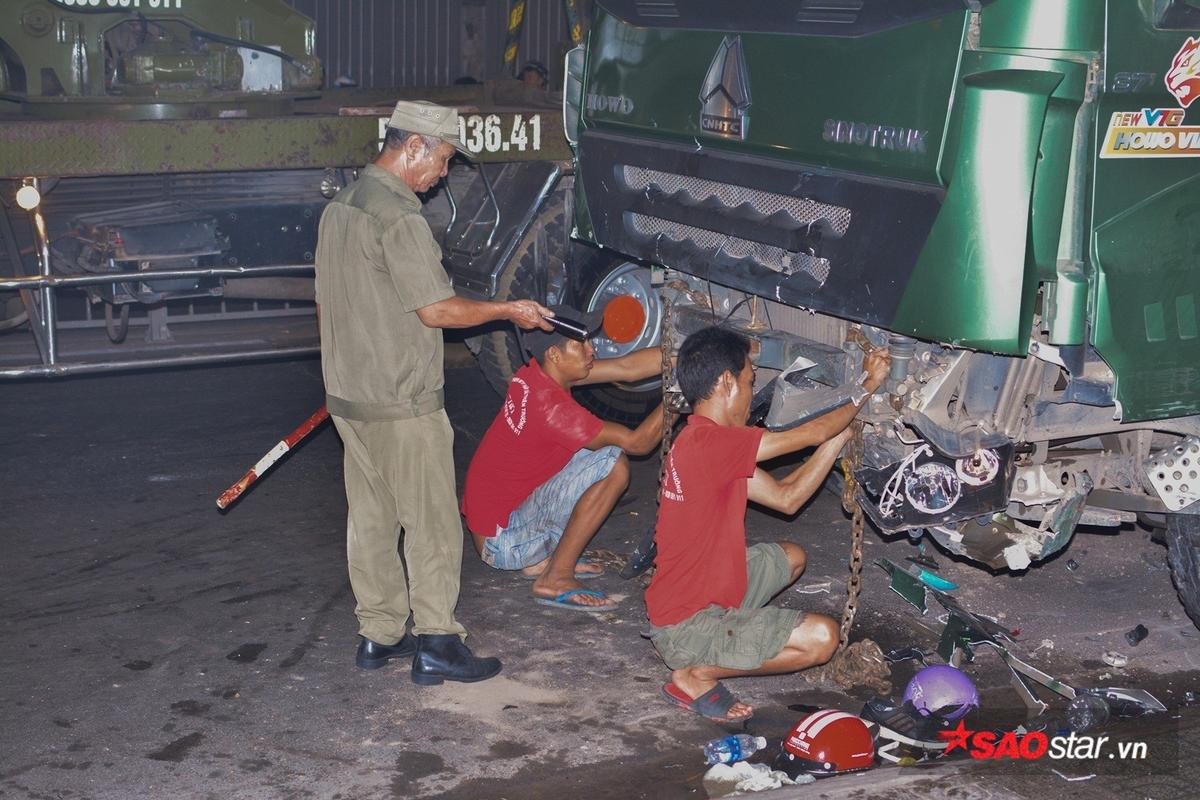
x: 637, y: 442
x: 788, y: 494
x: 773, y: 444
x: 636, y: 366
x: 458, y: 312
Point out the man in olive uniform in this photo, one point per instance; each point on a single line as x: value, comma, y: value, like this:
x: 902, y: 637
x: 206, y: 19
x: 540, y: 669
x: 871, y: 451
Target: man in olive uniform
x: 382, y: 296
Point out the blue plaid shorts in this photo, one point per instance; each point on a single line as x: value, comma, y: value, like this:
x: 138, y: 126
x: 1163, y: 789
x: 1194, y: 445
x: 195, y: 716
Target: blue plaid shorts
x: 535, y: 527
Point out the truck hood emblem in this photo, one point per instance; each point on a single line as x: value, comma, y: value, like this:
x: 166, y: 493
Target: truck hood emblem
x: 725, y: 94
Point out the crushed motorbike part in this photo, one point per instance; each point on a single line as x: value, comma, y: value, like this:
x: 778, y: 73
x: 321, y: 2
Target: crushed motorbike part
x: 923, y: 560
x: 899, y: 654
x: 936, y: 582
x: 860, y: 664
x: 921, y: 489
x: 1114, y: 659
x: 1072, y: 564
x: 1087, y: 712
x: 1175, y: 473
x: 1127, y: 703
x: 906, y: 585
x: 1135, y: 635
x: 965, y: 631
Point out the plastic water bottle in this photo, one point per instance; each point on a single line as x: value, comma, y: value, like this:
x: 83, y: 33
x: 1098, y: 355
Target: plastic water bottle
x: 732, y: 748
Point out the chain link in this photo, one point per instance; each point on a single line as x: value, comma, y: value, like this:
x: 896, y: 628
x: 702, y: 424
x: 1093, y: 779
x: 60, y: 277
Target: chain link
x: 850, y: 463
x: 670, y: 410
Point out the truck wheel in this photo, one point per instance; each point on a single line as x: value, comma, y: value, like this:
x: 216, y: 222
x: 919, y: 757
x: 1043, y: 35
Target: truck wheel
x: 497, y: 351
x: 605, y: 280
x: 1183, y: 553
x: 599, y: 279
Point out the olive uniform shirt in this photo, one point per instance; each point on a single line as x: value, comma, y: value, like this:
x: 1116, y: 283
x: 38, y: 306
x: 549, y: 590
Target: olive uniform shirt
x: 377, y: 263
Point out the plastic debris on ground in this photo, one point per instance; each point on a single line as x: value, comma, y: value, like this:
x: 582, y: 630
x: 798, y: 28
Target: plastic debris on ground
x: 924, y: 561
x: 907, y: 654
x: 1072, y: 564
x: 1114, y: 659
x: 729, y: 780
x: 1073, y: 778
x: 814, y: 588
x: 965, y: 632
x: 1136, y: 634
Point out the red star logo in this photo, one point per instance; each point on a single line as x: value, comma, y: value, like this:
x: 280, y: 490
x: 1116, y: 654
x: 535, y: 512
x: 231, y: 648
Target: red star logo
x: 959, y: 737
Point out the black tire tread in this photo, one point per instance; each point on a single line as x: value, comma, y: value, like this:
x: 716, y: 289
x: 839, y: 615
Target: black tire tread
x: 1183, y: 554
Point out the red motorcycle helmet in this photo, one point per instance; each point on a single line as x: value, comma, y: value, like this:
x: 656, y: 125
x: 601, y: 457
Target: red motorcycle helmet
x: 825, y: 743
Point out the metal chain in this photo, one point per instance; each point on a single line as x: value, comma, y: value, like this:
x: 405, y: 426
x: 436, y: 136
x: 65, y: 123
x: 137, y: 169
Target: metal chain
x: 670, y: 412
x: 851, y: 462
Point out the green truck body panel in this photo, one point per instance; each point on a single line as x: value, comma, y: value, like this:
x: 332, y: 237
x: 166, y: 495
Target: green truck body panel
x: 1145, y: 242
x: 1010, y: 107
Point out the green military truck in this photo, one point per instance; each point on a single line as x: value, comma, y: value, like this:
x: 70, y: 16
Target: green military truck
x: 1004, y: 193
x: 164, y: 164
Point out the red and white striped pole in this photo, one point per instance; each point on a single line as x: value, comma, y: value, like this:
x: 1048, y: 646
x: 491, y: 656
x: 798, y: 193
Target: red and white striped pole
x: 230, y: 495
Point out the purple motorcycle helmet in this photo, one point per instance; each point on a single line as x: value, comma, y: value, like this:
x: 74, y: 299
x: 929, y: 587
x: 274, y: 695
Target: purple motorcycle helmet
x: 943, y: 691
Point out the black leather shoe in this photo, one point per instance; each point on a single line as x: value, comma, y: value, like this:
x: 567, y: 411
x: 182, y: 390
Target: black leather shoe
x: 373, y: 655
x: 443, y: 656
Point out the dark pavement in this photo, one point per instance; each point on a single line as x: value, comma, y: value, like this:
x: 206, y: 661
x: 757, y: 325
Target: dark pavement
x: 155, y: 647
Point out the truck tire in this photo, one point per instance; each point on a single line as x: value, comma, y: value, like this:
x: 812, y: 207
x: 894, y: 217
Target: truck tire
x: 498, y: 351
x: 1183, y: 554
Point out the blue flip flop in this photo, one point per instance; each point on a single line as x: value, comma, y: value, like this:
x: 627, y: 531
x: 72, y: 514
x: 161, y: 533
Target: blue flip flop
x: 579, y: 576
x: 563, y: 601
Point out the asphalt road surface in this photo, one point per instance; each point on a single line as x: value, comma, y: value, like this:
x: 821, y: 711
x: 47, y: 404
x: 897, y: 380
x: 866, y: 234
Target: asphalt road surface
x: 155, y: 647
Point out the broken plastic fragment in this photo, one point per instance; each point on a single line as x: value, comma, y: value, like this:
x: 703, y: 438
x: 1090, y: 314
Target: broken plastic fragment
x: 936, y: 582
x: 1114, y: 659
x: 1135, y: 635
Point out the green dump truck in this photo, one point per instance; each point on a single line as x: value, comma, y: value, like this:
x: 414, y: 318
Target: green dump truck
x: 1004, y: 193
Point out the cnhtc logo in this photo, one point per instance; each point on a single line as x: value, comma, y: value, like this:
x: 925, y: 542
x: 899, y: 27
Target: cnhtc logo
x: 725, y: 95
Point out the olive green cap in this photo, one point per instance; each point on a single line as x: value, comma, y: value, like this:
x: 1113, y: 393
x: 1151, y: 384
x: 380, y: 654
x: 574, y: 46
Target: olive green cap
x: 428, y: 119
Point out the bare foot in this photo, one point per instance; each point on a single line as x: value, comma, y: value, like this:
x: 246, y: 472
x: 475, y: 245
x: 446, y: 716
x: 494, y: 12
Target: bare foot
x: 551, y: 589
x: 581, y: 568
x: 533, y: 570
x: 693, y: 687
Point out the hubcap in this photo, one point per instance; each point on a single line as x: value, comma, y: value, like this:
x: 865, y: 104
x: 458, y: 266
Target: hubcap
x: 632, y: 311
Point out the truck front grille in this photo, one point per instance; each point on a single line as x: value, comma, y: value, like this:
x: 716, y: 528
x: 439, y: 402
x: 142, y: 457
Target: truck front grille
x: 715, y: 243
x: 803, y: 211
x: 735, y: 222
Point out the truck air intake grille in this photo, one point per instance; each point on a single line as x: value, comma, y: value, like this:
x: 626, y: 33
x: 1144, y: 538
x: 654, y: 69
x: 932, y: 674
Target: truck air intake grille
x: 715, y: 243
x: 801, y: 210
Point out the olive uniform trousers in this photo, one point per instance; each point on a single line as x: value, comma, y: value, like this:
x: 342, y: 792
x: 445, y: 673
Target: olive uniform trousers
x: 400, y: 475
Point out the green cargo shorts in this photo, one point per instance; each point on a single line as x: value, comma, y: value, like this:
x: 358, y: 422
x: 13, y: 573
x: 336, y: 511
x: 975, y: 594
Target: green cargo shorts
x: 736, y: 638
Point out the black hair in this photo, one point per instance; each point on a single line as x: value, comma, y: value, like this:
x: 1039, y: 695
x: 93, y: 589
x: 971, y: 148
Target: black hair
x: 705, y: 356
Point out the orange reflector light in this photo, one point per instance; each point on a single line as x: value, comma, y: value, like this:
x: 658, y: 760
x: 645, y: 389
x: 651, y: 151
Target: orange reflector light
x: 624, y: 319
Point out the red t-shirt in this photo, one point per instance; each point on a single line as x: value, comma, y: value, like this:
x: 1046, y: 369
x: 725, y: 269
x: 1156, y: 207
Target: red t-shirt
x: 701, y: 531
x: 535, y: 434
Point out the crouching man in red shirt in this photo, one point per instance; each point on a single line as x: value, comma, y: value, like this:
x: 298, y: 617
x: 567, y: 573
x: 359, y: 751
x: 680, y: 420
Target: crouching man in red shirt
x: 708, y: 599
x: 548, y: 472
